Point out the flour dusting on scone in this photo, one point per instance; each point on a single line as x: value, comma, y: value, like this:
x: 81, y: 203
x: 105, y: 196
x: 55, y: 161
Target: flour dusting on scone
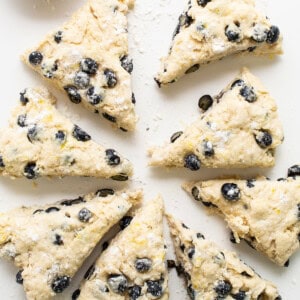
x: 39, y: 141
x: 87, y: 58
x: 239, y: 128
x: 214, y: 273
x: 264, y: 213
x: 211, y: 29
x: 133, y: 266
x: 49, y: 243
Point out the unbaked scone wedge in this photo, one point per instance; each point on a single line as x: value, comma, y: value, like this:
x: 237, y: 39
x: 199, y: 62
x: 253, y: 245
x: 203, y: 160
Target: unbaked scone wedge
x: 133, y: 266
x: 211, y: 29
x: 214, y: 273
x: 239, y: 128
x: 87, y: 58
x: 39, y: 141
x: 49, y: 243
x: 264, y: 213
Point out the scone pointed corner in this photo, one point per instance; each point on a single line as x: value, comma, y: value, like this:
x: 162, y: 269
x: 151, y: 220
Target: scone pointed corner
x: 210, y: 30
x: 39, y: 141
x: 87, y: 58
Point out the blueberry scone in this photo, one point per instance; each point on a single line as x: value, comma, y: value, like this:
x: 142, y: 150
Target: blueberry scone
x: 214, y: 273
x: 39, y: 141
x: 49, y: 243
x: 211, y: 29
x: 238, y: 128
x: 133, y: 266
x: 264, y: 213
x: 87, y: 58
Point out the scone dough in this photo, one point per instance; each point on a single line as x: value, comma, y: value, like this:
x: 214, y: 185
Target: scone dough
x: 133, y: 266
x: 240, y: 128
x: 211, y: 29
x: 264, y: 213
x: 87, y: 57
x: 39, y: 141
x: 49, y: 243
x: 214, y: 273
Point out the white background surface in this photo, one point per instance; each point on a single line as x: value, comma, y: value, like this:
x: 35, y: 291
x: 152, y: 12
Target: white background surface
x: 24, y: 22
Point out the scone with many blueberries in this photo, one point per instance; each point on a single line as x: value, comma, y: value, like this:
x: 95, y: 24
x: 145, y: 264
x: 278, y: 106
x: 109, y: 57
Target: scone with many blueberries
x: 49, y: 243
x: 39, y: 141
x: 133, y: 266
x: 264, y: 213
x: 239, y: 128
x: 87, y: 58
x: 214, y: 273
x: 211, y: 29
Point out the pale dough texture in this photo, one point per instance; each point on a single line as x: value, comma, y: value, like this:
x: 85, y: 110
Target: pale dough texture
x: 49, y: 243
x: 39, y: 141
x: 214, y: 273
x: 87, y: 57
x: 211, y: 30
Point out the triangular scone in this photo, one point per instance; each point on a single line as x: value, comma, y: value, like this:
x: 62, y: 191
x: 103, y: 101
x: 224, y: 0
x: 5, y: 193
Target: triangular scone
x: 133, y: 266
x: 214, y: 273
x: 266, y: 214
x: 49, y: 243
x: 211, y: 29
x: 239, y: 128
x: 87, y: 57
x: 39, y: 141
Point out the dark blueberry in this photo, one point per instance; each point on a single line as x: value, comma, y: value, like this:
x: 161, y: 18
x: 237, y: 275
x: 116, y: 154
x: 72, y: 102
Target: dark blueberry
x: 273, y: 35
x: 58, y: 36
x: 180, y: 270
x: 182, y: 247
x: 192, y: 69
x: 203, y: 2
x: 111, y: 78
x: 81, y: 80
x: 248, y: 93
x: 2, y: 164
x: 22, y: 120
x: 287, y: 263
x: 264, y: 139
x: 80, y: 135
x: 84, y: 215
x: 238, y: 82
x: 126, y: 63
x: 259, y: 33
x: 105, y: 192
x: 208, y: 149
x: 154, y: 288
x: 94, y: 97
x: 37, y: 211
x: 120, y: 177
x: 105, y: 246
x: 72, y: 201
x: 76, y: 294
x: 125, y: 221
x: 143, y: 265
x: 191, y: 252
x: 191, y: 292
x: 250, y: 183
x: 184, y: 20
x: 24, y: 100
x: 251, y: 49
x: 134, y: 292
x: 200, y: 236
x: 294, y: 171
x: 231, y: 191
x: 176, y: 136
x: 35, y: 58
x: 196, y: 194
x: 51, y: 209
x: 241, y: 295
x: 58, y: 240
x: 73, y: 93
x: 205, y: 102
x: 30, y: 170
x: 32, y: 134
x: 192, y: 162
x: 109, y: 117
x: 133, y: 100
x: 118, y: 283
x: 19, y: 278
x: 233, y: 33
x: 112, y: 157
x: 60, y: 283
x: 48, y: 70
x: 89, y: 66
x: 232, y: 238
x: 223, y: 288
x: 60, y: 136
x: 171, y: 264
x: 88, y: 274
